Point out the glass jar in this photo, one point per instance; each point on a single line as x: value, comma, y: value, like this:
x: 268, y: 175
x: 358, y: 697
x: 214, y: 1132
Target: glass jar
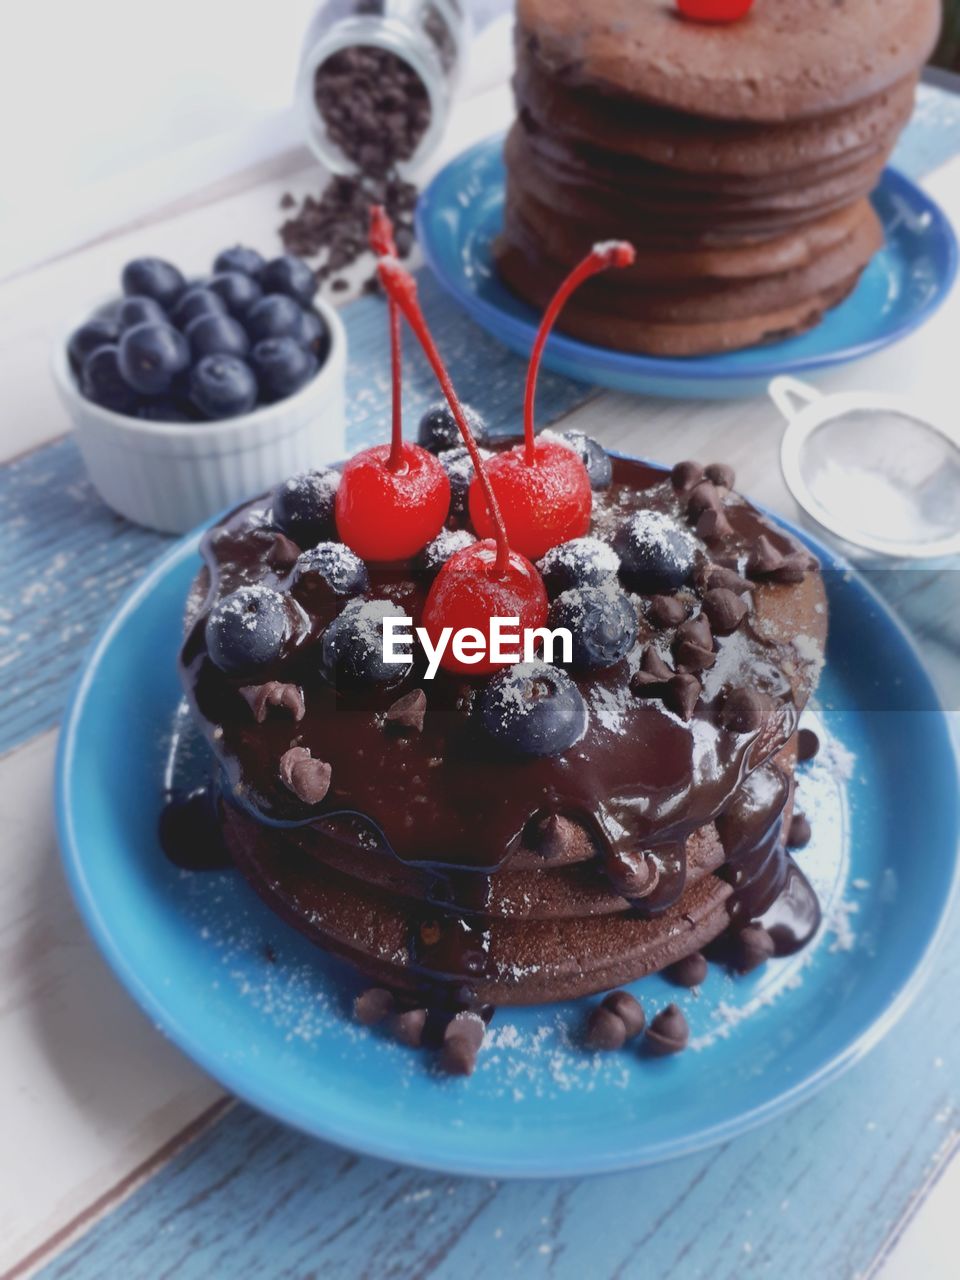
x: 429, y: 35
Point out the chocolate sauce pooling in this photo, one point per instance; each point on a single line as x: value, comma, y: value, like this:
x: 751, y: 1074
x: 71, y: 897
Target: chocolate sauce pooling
x: 447, y: 801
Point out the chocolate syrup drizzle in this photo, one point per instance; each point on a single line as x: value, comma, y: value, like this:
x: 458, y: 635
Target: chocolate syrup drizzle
x: 446, y: 802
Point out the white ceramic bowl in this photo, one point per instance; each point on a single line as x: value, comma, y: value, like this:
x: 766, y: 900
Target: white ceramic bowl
x: 172, y: 476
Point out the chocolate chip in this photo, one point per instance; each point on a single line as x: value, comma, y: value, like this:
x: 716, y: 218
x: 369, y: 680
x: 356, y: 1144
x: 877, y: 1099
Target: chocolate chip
x: 682, y: 694
x: 457, y: 1057
x: 794, y: 567
x: 764, y: 558
x: 688, y: 972
x: 556, y: 836
x: 808, y: 744
x: 653, y: 672
x: 667, y: 1033
x: 373, y: 1005
x: 798, y: 836
x: 287, y: 201
x: 467, y: 1025
x: 308, y: 779
x: 703, y: 497
x: 713, y: 526
x: 408, y: 1027
x: 632, y: 874
x: 693, y: 644
x: 605, y: 1030
x: 721, y: 474
x: 718, y: 575
x: 743, y: 711
x: 262, y: 698
x: 753, y: 946
x: 284, y: 553
x: 666, y: 611
x: 628, y: 1009
x: 724, y: 609
x: 406, y: 714
x: 685, y: 475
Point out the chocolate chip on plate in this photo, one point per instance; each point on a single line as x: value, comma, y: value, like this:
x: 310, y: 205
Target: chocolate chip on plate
x: 808, y: 744
x: 798, y: 836
x: 606, y: 1030
x: 688, y: 972
x: 373, y: 1005
x: 408, y: 1026
x: 628, y: 1009
x: 667, y: 1033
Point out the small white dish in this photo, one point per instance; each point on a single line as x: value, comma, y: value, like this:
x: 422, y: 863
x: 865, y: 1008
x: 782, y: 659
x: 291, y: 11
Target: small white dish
x: 172, y: 476
x: 877, y: 474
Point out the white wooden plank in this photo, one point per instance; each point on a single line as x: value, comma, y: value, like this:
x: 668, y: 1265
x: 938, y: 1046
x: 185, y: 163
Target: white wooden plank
x: 90, y: 1089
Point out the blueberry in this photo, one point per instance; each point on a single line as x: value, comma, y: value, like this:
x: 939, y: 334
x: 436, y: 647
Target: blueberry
x: 248, y: 630
x: 102, y: 382
x: 153, y: 278
x: 95, y: 333
x: 275, y: 316
x: 217, y: 335
x: 602, y: 623
x: 458, y: 465
x: 282, y: 367
x: 656, y: 553
x: 198, y: 301
x: 326, y: 570
x: 292, y: 276
x: 438, y: 428
x: 222, y: 386
x: 139, y: 310
x: 238, y: 291
x: 303, y: 506
x: 593, y: 456
x: 314, y: 334
x: 581, y: 562
x: 447, y: 543
x: 239, y: 258
x: 351, y: 652
x: 151, y: 356
x: 532, y: 709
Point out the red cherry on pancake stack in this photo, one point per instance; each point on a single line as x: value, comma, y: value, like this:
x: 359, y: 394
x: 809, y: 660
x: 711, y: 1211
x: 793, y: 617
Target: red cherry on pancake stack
x: 487, y: 579
x: 715, y: 10
x: 542, y: 485
x: 392, y: 499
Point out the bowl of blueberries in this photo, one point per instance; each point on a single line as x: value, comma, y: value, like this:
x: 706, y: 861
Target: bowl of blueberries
x: 189, y: 396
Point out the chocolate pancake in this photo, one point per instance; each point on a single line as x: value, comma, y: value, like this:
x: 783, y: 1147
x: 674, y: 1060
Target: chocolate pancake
x: 426, y: 862
x: 786, y: 60
x: 684, y: 142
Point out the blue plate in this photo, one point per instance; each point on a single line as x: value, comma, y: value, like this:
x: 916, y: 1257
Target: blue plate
x: 461, y: 212
x: 269, y: 1016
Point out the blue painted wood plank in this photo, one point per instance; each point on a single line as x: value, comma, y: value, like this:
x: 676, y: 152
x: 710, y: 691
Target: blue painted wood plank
x: 68, y: 559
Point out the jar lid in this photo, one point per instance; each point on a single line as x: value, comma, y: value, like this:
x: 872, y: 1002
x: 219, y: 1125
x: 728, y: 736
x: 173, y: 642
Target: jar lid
x: 874, y: 470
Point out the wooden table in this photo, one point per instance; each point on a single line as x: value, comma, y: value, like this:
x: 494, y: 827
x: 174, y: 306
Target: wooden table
x: 119, y: 1158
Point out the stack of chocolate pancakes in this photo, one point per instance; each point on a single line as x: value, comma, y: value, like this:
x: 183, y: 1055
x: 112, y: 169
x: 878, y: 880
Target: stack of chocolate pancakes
x: 738, y: 159
x: 443, y: 866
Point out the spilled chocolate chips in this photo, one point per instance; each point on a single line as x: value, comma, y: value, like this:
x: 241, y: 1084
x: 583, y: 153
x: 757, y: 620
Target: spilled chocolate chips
x: 461, y: 1042
x: 753, y: 946
x: 308, y: 779
x: 618, y: 1018
x: 667, y: 1033
x: 688, y: 972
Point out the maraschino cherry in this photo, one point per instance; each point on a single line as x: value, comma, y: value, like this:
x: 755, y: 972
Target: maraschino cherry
x: 392, y: 499
x: 542, y: 486
x: 715, y: 10
x: 487, y: 579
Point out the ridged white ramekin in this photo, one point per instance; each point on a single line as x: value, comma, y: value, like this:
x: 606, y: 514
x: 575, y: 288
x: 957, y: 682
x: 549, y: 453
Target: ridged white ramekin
x: 172, y: 476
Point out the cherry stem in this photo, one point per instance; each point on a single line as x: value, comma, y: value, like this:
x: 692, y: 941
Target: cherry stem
x: 383, y: 245
x: 402, y: 289
x: 611, y: 253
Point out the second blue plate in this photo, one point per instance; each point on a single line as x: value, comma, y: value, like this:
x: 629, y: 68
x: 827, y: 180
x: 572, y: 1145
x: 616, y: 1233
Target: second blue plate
x: 461, y: 212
